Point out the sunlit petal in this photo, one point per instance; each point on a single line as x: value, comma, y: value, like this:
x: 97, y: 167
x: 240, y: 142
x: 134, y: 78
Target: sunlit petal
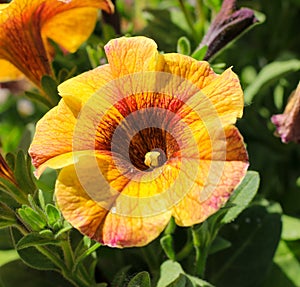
x: 54, y: 134
x: 131, y: 55
x: 8, y: 72
x: 95, y: 218
x: 27, y: 25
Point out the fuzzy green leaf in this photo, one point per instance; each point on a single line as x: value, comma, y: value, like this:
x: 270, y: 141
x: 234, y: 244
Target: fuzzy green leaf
x: 290, y: 228
x: 38, y: 98
x: 53, y: 214
x: 49, y: 85
x: 184, y: 46
x: 166, y: 243
x: 141, y: 279
x: 34, y: 258
x: 32, y: 218
x: 16, y: 273
x: 200, y: 53
x: 242, y: 196
x: 169, y: 272
x: 254, y: 236
x: 7, y: 216
x: 34, y: 239
x: 270, y: 73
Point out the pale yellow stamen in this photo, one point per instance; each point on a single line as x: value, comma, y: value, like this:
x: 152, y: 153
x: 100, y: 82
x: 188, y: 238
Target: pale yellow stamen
x: 151, y: 158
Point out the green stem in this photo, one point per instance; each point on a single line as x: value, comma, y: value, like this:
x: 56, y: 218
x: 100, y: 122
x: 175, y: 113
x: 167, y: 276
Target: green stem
x: 65, y: 267
x: 201, y: 251
x: 188, y: 18
x: 84, y: 275
x: 185, y: 251
x: 201, y: 17
x: 151, y: 259
x: 79, y: 277
x: 68, y: 252
x: 50, y: 255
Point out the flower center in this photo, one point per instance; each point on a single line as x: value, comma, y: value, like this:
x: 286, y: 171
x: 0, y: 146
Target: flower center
x: 151, y: 148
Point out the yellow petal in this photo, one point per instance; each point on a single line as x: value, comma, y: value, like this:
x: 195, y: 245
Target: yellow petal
x: 76, y: 21
x: 54, y: 134
x: 76, y: 91
x: 8, y: 72
x: 81, y: 20
x: 198, y: 73
x: 60, y: 161
x: 131, y: 55
x: 216, y: 179
x: 226, y: 95
x: 86, y: 211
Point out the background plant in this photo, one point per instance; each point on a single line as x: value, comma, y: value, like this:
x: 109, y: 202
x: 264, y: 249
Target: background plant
x: 244, y: 244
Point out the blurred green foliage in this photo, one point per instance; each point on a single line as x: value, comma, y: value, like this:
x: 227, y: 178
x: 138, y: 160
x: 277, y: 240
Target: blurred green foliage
x: 251, y: 250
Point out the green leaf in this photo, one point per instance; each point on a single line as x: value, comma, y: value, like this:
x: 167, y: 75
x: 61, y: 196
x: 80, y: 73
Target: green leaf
x: 86, y: 253
x: 46, y: 233
x: 184, y: 46
x: 38, y: 98
x: 49, y: 85
x: 185, y: 280
x: 166, y: 243
x: 6, y: 213
x: 169, y: 32
x: 286, y: 268
x: 181, y: 281
x: 290, y: 228
x: 12, y: 191
x: 53, y: 214
x: 278, y: 278
x: 270, y: 74
x: 7, y: 256
x: 169, y: 272
x: 34, y: 205
x: 65, y: 74
x: 41, y: 199
x: 94, y: 55
x: 197, y: 282
x: 16, y: 273
x: 287, y: 260
x: 254, y: 236
x: 120, y: 277
x: 66, y: 227
x: 23, y: 172
x: 215, y: 5
x: 242, y: 196
x: 200, y: 53
x: 35, y: 239
x: 5, y: 239
x: 219, y: 244
x: 142, y: 279
x: 32, y: 218
x: 34, y: 258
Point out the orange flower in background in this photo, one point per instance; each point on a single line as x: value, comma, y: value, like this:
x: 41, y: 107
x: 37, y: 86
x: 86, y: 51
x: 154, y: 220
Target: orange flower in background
x: 5, y: 171
x: 26, y: 26
x: 139, y: 140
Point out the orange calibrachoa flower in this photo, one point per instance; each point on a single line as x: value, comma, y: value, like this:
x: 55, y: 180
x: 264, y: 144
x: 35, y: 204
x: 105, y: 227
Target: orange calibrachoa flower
x: 5, y: 171
x: 26, y: 26
x: 139, y: 140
